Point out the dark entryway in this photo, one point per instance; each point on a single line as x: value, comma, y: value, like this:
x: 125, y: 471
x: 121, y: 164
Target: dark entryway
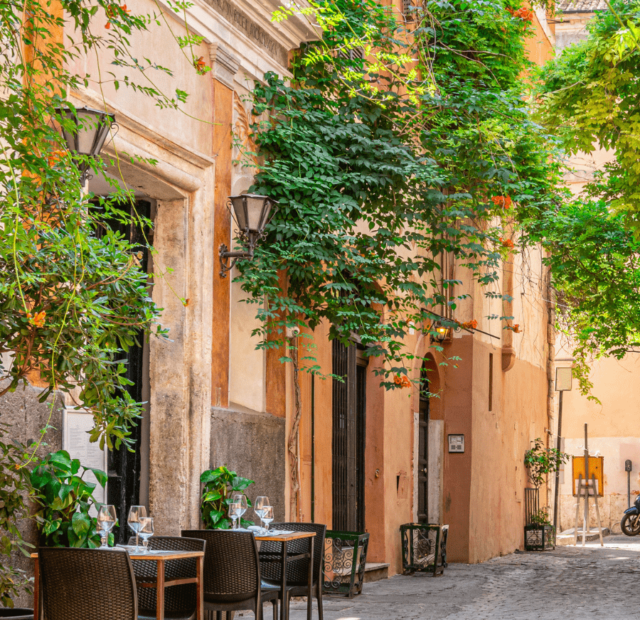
x: 423, y: 448
x: 348, y: 443
x: 124, y: 466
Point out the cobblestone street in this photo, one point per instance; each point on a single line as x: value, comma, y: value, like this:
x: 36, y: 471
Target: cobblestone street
x: 567, y: 584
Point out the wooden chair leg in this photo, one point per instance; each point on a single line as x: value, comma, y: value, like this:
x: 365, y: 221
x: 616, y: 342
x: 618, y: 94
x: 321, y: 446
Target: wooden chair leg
x: 275, y: 609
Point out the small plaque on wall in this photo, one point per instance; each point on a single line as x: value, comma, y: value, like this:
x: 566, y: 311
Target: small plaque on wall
x: 456, y: 443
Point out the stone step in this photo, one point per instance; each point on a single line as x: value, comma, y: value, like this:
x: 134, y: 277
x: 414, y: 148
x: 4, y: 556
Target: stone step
x: 375, y: 571
x: 567, y: 537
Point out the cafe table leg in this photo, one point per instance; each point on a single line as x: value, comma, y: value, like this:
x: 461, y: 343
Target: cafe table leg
x: 200, y: 588
x: 285, y: 601
x: 310, y: 592
x: 36, y: 590
x: 160, y: 591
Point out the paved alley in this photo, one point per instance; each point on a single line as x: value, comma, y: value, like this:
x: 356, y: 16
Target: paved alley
x: 566, y: 584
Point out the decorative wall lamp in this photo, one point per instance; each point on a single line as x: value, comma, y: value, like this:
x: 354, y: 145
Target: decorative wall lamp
x: 88, y: 135
x: 439, y: 332
x: 251, y: 214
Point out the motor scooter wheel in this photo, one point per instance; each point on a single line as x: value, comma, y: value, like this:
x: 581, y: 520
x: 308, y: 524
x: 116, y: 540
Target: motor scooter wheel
x: 630, y: 525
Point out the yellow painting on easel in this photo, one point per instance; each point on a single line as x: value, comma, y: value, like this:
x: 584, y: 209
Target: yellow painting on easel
x: 596, y: 468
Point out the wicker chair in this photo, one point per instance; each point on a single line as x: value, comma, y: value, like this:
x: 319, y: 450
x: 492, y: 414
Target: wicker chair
x: 297, y: 570
x: 180, y: 602
x: 232, y: 573
x: 87, y: 584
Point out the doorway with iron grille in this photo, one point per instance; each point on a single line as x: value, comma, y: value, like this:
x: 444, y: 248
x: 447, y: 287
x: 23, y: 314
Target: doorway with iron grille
x: 423, y: 448
x: 125, y: 467
x: 348, y: 443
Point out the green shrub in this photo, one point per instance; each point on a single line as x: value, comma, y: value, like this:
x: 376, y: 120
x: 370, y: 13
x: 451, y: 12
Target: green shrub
x: 65, y: 499
x: 219, y: 486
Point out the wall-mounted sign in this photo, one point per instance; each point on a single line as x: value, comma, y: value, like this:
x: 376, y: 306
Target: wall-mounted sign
x: 456, y: 443
x: 75, y: 440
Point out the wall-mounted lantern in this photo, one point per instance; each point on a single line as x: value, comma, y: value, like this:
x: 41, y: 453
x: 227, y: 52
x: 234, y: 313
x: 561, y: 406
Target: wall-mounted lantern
x: 88, y: 134
x: 251, y: 214
x: 439, y: 332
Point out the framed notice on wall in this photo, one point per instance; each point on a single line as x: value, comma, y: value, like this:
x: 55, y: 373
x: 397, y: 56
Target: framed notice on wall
x: 456, y: 443
x: 75, y: 440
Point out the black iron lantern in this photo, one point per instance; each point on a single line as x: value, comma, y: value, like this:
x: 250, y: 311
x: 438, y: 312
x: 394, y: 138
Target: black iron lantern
x: 87, y: 134
x: 251, y: 214
x: 439, y: 332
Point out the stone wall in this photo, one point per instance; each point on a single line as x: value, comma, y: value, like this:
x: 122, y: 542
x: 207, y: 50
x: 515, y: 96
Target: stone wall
x: 26, y: 416
x: 253, y: 445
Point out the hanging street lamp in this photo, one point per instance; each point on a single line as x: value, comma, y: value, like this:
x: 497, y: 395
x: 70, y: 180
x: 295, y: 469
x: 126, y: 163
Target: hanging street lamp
x: 87, y: 134
x: 251, y: 214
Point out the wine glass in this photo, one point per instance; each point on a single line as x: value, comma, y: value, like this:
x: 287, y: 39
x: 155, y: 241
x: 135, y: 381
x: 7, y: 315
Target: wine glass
x: 146, y: 532
x: 235, y: 512
x: 267, y: 516
x: 136, y: 513
x: 240, y: 498
x: 259, y: 506
x: 106, y: 520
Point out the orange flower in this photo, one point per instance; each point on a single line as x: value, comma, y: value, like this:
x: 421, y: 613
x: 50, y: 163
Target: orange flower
x: 523, y: 13
x: 469, y: 324
x: 200, y: 65
x: 38, y: 319
x: 516, y: 328
x: 107, y: 25
x: 502, y: 201
x: 55, y: 156
x: 506, y: 243
x: 402, y: 381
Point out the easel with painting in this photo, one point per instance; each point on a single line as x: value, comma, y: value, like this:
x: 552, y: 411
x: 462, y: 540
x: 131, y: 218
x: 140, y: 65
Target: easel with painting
x: 588, y: 481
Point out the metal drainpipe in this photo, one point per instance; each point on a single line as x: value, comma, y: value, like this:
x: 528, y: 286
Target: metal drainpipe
x: 313, y: 448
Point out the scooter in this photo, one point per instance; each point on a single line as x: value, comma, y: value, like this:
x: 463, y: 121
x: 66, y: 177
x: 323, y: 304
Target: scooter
x: 630, y: 524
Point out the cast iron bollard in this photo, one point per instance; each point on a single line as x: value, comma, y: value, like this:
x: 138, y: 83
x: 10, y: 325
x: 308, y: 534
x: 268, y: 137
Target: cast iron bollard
x: 345, y: 557
x: 424, y: 548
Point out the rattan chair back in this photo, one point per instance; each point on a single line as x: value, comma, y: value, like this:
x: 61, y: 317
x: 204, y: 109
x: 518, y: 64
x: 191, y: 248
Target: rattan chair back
x: 87, y: 584
x: 231, y: 566
x: 179, y: 600
x: 297, y: 570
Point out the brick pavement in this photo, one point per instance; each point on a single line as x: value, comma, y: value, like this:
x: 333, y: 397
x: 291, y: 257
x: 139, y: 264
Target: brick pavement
x: 566, y: 584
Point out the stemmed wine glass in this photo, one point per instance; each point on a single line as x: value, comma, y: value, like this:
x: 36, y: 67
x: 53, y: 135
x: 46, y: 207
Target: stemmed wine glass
x: 241, y: 499
x: 267, y: 516
x: 261, y: 502
x: 136, y: 514
x: 106, y: 520
x: 235, y: 512
x: 146, y: 532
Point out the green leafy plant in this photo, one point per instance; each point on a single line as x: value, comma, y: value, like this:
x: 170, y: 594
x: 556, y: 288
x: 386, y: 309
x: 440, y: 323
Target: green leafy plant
x: 219, y: 486
x: 540, y: 461
x: 14, y: 488
x: 541, y: 517
x: 66, y: 499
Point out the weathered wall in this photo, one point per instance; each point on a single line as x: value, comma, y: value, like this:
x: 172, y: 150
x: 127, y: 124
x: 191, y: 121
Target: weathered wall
x: 614, y: 432
x: 252, y: 444
x: 26, y: 417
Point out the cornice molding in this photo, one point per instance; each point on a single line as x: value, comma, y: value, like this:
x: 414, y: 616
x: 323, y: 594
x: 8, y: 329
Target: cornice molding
x: 224, y: 64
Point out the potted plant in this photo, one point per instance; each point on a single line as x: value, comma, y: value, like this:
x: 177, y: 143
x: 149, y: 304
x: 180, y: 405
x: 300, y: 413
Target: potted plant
x: 540, y: 461
x: 219, y: 486
x: 65, y: 499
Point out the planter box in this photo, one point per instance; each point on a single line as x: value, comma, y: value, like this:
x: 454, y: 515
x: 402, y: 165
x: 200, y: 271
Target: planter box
x: 345, y: 556
x: 424, y: 548
x: 539, y: 537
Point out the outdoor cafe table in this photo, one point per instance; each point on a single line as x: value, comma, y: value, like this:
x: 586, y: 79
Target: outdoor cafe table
x: 284, y: 557
x: 159, y: 557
